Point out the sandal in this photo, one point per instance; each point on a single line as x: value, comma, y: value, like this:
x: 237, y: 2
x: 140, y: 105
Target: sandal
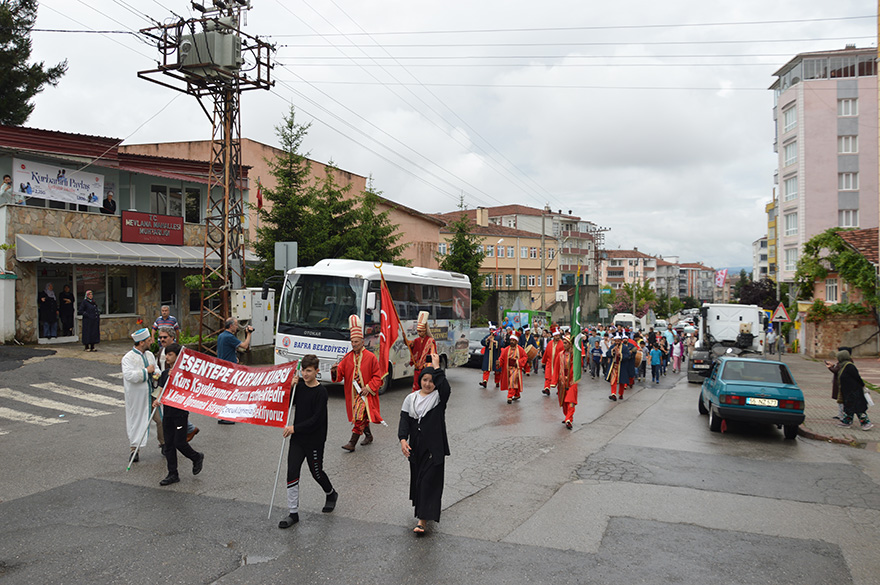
x: 419, y: 530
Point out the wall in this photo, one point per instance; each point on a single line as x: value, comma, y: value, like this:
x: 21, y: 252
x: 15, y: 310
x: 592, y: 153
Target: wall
x: 841, y: 330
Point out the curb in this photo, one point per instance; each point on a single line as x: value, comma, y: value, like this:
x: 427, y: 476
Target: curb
x: 808, y: 434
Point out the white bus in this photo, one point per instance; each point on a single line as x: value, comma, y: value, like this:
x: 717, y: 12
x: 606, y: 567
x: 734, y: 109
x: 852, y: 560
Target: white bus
x: 316, y: 302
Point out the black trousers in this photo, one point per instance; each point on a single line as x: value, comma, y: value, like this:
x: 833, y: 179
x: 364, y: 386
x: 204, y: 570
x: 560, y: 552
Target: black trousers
x: 174, y: 427
x: 295, y: 457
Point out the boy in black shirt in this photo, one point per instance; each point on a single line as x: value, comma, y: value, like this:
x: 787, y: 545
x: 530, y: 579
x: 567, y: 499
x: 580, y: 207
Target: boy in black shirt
x: 308, y: 433
x: 174, y: 422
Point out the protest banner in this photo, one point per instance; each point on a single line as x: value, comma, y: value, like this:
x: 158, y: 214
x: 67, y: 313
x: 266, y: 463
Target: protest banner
x: 207, y: 385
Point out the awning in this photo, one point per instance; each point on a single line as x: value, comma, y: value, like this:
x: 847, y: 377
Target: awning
x: 164, y: 174
x: 31, y: 248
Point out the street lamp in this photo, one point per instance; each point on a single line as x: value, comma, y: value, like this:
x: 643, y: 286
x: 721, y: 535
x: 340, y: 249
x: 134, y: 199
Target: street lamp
x: 496, y: 263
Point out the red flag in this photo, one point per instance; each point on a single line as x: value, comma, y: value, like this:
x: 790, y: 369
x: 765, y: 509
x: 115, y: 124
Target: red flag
x: 259, y: 196
x: 389, y: 325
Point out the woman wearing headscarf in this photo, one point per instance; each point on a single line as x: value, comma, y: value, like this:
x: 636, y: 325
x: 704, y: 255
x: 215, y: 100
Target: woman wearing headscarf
x: 91, y: 322
x: 853, y: 389
x: 48, y: 309
x: 67, y: 304
x: 422, y: 434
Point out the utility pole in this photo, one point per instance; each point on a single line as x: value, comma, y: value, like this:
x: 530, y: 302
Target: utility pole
x: 544, y: 213
x: 210, y: 57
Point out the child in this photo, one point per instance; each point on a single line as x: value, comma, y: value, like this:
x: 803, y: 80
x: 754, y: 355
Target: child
x: 656, y: 363
x: 643, y: 367
x: 595, y: 359
x: 308, y: 433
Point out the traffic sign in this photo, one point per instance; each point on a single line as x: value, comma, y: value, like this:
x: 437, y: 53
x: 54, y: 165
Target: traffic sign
x: 780, y: 315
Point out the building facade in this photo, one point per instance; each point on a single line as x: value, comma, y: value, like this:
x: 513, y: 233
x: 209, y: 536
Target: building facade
x: 760, y: 259
x: 619, y: 267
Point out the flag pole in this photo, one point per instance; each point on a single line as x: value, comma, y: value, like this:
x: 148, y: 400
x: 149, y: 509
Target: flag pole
x: 147, y: 430
x: 283, y: 445
x: 393, y: 308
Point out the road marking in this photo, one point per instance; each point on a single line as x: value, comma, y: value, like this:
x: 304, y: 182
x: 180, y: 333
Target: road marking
x: 100, y: 384
x: 32, y: 419
x: 51, y: 404
x: 116, y: 375
x: 80, y: 394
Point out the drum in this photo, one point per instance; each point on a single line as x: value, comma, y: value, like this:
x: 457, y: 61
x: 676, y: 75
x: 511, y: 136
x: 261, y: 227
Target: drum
x: 639, y: 358
x: 531, y: 352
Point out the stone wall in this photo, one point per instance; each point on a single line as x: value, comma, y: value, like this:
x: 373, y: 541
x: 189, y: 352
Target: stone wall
x: 823, y: 339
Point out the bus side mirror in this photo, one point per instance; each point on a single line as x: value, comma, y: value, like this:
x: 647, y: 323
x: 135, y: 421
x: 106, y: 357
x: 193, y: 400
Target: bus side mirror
x: 371, y: 300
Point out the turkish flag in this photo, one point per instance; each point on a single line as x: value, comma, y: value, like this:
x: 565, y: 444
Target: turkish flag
x: 389, y: 325
x: 259, y: 196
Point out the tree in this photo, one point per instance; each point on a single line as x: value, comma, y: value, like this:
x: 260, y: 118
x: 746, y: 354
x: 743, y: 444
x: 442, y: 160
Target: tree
x: 20, y: 81
x: 761, y: 293
x: 465, y: 255
x: 646, y: 298
x: 690, y: 303
x: 744, y: 279
x: 324, y: 220
x: 828, y: 252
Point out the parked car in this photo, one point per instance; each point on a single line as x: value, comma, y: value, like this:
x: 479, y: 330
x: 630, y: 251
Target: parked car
x: 475, y: 349
x: 752, y: 390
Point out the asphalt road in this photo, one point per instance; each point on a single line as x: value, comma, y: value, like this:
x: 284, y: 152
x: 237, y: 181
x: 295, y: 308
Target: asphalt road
x: 640, y: 491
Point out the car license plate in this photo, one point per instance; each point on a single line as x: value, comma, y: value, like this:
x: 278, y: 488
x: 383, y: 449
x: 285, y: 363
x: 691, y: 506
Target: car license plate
x: 701, y: 366
x: 762, y: 401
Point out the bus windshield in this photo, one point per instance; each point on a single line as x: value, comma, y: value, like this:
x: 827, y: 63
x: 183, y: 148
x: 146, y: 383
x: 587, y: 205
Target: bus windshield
x: 318, y: 302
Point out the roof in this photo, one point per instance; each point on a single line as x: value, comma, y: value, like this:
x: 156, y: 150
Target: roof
x: 425, y: 216
x: 495, y: 230
x: 662, y: 262
x: 864, y: 242
x: 627, y: 254
x: 832, y: 53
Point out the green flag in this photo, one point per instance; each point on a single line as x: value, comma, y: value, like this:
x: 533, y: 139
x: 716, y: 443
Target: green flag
x: 576, y: 336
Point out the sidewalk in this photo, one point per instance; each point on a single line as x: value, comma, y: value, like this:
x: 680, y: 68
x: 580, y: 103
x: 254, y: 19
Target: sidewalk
x: 815, y: 381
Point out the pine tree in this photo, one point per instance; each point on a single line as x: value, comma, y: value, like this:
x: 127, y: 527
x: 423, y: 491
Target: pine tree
x: 465, y: 255
x: 377, y: 238
x: 20, y: 81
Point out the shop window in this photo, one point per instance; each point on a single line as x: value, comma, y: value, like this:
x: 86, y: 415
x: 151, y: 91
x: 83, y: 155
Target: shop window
x: 92, y: 278
x: 193, y: 206
x: 121, y: 290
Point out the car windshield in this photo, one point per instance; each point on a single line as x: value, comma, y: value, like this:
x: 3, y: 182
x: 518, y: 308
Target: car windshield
x: 769, y: 372
x: 477, y: 334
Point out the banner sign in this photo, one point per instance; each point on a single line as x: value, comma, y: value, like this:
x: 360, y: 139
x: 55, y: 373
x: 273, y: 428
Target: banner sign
x: 56, y: 183
x: 223, y: 390
x: 150, y: 228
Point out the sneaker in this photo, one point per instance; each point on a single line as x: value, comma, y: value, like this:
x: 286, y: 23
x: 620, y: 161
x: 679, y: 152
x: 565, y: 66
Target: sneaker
x: 844, y: 424
x: 613, y: 398
x: 197, y: 464
x: 509, y: 401
x: 330, y: 502
x: 867, y: 426
x: 836, y: 417
x: 289, y: 521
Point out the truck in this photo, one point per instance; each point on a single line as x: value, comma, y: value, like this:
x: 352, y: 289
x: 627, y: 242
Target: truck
x: 725, y: 329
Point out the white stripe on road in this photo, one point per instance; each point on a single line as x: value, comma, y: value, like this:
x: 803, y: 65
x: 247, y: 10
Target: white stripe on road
x: 32, y: 419
x: 116, y: 375
x: 50, y: 404
x: 100, y: 384
x: 80, y: 394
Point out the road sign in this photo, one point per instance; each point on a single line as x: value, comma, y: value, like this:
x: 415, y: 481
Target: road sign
x: 780, y: 315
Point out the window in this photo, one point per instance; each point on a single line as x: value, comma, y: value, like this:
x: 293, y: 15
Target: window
x: 533, y: 253
x: 831, y: 290
x: 848, y: 181
x: 441, y: 248
x: 789, y: 153
x: 511, y: 253
x: 501, y: 251
x: 488, y: 282
x: 508, y: 280
x: 791, y: 258
x: 490, y: 251
x: 791, y: 224
x: 848, y: 218
x: 847, y: 144
x: 791, y: 188
x: 524, y: 252
x: 500, y: 280
x: 551, y: 253
x: 523, y: 281
x: 630, y: 273
x: 193, y: 206
x: 549, y: 280
x: 114, y: 287
x: 165, y: 201
x: 531, y: 280
x: 511, y: 223
x: 848, y: 107
x: 789, y: 119
x: 538, y: 280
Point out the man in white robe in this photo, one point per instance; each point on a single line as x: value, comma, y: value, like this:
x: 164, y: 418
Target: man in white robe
x: 138, y: 366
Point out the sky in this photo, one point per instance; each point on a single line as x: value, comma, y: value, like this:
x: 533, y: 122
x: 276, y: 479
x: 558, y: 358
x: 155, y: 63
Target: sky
x: 652, y: 119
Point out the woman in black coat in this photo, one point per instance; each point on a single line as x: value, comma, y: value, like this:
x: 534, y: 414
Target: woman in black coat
x: 48, y: 311
x: 422, y: 434
x: 853, y: 389
x: 67, y: 304
x: 91, y: 322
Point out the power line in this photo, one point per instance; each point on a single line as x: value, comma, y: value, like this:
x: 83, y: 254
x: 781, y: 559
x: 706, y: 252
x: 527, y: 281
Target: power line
x: 44, y: 5
x: 469, y: 57
x: 528, y: 86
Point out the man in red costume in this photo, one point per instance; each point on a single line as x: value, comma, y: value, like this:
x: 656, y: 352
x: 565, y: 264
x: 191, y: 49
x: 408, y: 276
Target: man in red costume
x: 551, y: 359
x: 566, y: 388
x: 421, y: 348
x: 513, y: 360
x: 359, y: 370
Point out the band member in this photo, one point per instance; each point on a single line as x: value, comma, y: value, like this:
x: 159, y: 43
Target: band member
x: 566, y: 388
x: 512, y: 361
x: 421, y: 348
x: 490, y: 356
x: 617, y: 375
x: 528, y: 341
x: 550, y: 359
x: 362, y: 377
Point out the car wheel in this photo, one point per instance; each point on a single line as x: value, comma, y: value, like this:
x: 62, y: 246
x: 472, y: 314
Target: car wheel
x: 714, y: 422
x: 700, y: 406
x: 790, y: 431
x: 386, y: 382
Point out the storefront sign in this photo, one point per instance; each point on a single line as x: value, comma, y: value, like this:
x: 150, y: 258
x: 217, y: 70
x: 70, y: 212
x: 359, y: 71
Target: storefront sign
x: 55, y: 183
x: 149, y: 228
x: 223, y: 390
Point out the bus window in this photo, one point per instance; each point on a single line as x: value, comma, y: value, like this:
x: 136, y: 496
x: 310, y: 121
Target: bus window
x: 320, y: 302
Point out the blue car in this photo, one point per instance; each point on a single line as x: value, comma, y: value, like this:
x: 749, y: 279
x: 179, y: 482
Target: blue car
x: 752, y: 390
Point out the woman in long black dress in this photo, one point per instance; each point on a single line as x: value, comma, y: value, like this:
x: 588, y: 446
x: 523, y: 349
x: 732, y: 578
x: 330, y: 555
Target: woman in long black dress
x: 65, y: 310
x: 91, y: 324
x: 422, y: 434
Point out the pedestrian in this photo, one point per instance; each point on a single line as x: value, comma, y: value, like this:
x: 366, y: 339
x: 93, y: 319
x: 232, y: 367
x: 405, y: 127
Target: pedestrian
x: 595, y: 359
x: 836, y: 395
x: 308, y: 435
x: 676, y: 356
x: 643, y: 362
x: 550, y: 359
x: 566, y: 387
x: 48, y: 311
x: 66, y: 310
x: 490, y: 357
x: 605, y: 345
x: 527, y: 341
x: 656, y: 361
x: 771, y: 340
x: 138, y: 367
x: 91, y: 322
x: 614, y: 376
x: 174, y: 426
x: 423, y: 440
x: 361, y: 376
x: 853, y: 389
x: 166, y: 319
x: 664, y: 350
x: 421, y: 347
x: 512, y: 361
x: 228, y: 345
x: 166, y: 338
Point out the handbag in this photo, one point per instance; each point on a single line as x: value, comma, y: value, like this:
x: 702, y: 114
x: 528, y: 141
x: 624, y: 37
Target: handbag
x: 868, y: 399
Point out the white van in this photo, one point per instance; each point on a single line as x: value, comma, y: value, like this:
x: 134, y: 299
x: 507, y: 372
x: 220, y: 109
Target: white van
x: 660, y: 325
x: 627, y: 320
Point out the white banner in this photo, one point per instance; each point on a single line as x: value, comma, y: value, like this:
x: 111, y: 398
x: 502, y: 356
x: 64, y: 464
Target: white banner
x: 30, y: 179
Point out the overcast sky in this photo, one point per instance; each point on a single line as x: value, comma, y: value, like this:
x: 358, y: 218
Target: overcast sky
x: 650, y: 118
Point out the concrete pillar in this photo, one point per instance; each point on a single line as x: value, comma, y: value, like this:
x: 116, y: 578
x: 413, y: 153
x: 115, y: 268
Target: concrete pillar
x: 7, y: 307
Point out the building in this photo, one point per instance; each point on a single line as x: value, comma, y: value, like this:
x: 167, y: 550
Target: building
x: 698, y: 281
x: 668, y: 277
x: 133, y: 260
x: 825, y: 114
x: 512, y: 259
x: 619, y: 267
x: 760, y: 259
x: 772, y: 210
x: 420, y: 232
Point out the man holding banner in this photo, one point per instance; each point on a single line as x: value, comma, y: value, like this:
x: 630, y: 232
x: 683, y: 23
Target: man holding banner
x: 359, y: 370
